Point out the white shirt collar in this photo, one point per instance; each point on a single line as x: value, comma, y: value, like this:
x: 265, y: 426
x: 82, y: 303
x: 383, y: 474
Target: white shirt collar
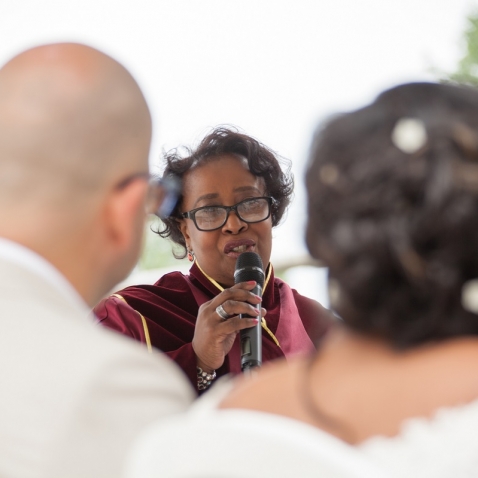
x: 16, y: 253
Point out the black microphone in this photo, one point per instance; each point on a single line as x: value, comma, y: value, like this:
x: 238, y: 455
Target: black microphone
x: 249, y: 267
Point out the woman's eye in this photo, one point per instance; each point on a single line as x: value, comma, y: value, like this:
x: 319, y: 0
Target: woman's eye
x: 252, y: 204
x: 210, y: 211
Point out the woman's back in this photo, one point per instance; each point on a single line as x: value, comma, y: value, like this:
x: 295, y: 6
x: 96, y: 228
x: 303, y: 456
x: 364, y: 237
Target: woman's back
x: 357, y: 388
x: 402, y: 416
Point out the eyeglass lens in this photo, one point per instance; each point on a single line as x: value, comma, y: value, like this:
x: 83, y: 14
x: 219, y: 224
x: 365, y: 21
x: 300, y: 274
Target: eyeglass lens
x: 162, y: 196
x: 250, y: 210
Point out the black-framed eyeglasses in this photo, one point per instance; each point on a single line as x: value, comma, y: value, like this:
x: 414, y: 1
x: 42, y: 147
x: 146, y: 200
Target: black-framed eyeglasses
x: 162, y: 195
x: 210, y: 218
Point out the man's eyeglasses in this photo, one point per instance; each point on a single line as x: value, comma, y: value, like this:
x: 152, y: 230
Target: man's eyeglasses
x: 210, y: 218
x: 162, y: 195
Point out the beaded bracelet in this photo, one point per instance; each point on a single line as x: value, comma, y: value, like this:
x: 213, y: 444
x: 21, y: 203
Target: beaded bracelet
x: 205, y: 379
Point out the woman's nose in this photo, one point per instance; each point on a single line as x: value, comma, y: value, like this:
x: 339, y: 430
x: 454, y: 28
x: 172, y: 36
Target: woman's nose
x: 234, y: 224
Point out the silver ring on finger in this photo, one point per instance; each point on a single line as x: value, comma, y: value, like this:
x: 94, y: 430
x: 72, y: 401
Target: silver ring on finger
x: 222, y: 313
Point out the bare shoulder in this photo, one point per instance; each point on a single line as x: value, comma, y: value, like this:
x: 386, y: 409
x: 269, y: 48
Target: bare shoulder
x: 454, y: 360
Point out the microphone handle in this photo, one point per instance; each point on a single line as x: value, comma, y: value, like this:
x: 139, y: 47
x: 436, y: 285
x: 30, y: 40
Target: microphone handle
x: 251, y: 340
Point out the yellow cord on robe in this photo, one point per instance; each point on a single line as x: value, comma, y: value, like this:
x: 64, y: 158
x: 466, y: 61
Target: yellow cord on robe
x: 143, y: 320
x: 269, y: 331
x: 263, y: 321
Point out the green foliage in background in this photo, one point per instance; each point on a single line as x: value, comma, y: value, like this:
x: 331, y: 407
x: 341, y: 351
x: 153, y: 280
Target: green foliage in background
x: 157, y: 252
x: 467, y: 71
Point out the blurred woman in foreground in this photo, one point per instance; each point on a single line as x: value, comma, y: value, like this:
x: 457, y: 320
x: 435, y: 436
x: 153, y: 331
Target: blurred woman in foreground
x: 234, y: 193
x: 393, y: 212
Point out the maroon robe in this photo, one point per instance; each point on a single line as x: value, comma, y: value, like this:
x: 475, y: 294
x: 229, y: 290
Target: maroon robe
x: 170, y: 309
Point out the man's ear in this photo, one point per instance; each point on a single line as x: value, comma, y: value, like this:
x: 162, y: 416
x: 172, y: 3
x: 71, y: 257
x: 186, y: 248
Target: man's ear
x: 115, y: 235
x: 124, y: 216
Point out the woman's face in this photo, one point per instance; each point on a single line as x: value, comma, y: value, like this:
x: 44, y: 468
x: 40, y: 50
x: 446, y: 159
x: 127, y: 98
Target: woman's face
x: 224, y: 181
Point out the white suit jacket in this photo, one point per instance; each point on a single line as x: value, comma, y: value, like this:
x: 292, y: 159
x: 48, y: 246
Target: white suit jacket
x: 73, y: 395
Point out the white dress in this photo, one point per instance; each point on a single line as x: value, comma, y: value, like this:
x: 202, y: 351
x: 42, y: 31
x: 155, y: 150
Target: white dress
x: 208, y: 442
x: 445, y: 446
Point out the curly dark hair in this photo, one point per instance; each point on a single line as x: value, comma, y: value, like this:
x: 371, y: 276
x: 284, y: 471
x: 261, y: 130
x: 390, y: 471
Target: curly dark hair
x: 262, y: 162
x: 398, y: 230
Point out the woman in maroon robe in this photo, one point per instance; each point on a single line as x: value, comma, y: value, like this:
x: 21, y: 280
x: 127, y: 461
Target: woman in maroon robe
x: 234, y: 193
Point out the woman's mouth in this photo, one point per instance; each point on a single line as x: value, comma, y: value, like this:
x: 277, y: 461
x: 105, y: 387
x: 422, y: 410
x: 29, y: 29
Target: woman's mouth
x: 235, y: 248
x: 242, y: 248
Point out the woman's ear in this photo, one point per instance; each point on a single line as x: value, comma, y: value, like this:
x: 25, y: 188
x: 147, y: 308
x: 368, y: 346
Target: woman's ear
x: 184, y: 228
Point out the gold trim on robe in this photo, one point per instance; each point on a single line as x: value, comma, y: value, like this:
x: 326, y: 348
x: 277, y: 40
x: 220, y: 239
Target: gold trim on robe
x: 143, y: 320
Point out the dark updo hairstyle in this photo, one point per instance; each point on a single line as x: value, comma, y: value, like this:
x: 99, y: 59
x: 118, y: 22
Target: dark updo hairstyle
x: 262, y: 162
x: 398, y: 229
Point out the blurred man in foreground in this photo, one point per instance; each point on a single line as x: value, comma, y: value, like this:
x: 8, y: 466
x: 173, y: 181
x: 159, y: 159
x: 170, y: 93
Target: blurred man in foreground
x: 75, y: 133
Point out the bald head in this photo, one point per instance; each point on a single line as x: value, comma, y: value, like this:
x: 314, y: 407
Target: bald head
x: 72, y: 121
x: 74, y: 126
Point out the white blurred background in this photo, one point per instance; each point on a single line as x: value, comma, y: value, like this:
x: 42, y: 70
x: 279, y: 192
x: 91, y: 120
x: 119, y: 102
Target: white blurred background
x: 274, y: 68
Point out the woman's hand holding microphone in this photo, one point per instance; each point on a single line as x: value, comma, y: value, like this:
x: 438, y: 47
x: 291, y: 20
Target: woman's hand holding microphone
x: 216, y: 330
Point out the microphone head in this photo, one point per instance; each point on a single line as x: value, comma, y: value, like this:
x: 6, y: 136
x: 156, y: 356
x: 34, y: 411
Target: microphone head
x: 249, y: 267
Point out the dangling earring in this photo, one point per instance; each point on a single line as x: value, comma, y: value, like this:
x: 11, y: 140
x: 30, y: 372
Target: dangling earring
x: 190, y: 255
